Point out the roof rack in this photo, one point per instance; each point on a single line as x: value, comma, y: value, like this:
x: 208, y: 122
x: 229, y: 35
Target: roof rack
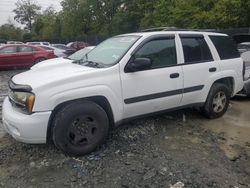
x: 176, y: 29
x: 159, y: 29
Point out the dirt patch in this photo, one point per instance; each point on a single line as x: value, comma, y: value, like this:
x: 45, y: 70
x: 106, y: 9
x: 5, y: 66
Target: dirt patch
x: 161, y: 151
x: 233, y: 128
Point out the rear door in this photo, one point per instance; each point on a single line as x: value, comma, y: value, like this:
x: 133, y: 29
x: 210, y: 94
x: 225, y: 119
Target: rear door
x: 8, y: 56
x: 198, y: 68
x: 25, y: 55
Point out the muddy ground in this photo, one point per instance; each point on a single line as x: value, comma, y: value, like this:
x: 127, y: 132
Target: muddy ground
x: 158, y: 151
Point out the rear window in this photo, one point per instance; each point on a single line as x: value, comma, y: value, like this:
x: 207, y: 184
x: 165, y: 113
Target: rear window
x: 225, y: 46
x: 196, y: 50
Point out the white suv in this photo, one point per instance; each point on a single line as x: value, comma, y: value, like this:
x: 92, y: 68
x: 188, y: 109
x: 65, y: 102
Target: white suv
x: 74, y: 103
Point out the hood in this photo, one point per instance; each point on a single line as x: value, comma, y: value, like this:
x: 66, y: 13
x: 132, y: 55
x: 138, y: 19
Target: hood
x: 49, y: 71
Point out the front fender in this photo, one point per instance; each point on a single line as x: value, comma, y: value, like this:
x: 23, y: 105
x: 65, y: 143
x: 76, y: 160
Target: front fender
x: 50, y: 103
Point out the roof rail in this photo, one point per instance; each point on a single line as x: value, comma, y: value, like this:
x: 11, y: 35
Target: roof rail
x: 176, y: 29
x: 159, y: 29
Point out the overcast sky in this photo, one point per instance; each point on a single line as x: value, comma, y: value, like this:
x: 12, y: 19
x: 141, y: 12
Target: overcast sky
x: 7, y: 6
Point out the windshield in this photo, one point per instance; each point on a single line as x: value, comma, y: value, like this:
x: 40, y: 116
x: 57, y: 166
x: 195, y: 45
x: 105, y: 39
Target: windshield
x: 80, y: 54
x: 111, y: 51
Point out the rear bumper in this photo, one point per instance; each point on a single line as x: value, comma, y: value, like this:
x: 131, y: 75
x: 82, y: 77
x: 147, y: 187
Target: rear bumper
x: 246, y: 89
x: 25, y: 128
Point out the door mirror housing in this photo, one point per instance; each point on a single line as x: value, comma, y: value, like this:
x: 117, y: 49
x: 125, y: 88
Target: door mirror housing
x: 138, y: 64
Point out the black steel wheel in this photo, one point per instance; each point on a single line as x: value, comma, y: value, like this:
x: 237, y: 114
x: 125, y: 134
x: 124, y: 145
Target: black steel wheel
x: 80, y: 127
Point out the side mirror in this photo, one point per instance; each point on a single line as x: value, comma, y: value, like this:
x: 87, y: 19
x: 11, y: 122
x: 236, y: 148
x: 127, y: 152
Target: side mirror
x: 138, y: 64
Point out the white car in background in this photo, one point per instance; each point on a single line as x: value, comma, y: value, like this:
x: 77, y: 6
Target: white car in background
x: 246, y: 57
x: 244, y: 47
x: 39, y: 43
x: 58, y: 52
x: 14, y: 42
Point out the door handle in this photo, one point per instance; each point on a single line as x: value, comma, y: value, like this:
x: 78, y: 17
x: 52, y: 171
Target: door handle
x: 213, y: 69
x: 174, y: 75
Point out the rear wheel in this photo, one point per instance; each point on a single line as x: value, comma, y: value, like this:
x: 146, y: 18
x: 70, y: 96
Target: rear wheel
x: 217, y: 101
x: 80, y: 127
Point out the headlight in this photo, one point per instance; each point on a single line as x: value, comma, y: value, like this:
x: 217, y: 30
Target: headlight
x: 23, y: 100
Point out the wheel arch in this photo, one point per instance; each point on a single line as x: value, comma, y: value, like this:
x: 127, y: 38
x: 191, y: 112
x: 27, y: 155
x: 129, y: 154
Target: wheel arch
x: 100, y: 100
x: 228, y: 81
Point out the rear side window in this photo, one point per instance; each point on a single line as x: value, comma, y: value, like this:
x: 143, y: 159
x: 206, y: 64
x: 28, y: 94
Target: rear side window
x: 25, y: 49
x: 225, y: 46
x: 196, y: 50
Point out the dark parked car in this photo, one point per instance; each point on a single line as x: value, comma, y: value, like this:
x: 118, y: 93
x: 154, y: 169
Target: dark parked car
x: 22, y: 55
x: 78, y: 45
x: 68, y: 50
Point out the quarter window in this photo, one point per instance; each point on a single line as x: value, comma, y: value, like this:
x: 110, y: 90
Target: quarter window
x: 161, y: 51
x: 225, y: 46
x: 196, y: 50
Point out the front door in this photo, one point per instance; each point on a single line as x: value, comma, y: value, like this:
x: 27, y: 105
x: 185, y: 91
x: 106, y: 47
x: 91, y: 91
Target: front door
x: 8, y: 56
x: 158, y: 87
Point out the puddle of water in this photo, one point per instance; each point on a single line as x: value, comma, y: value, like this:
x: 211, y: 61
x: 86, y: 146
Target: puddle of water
x: 234, y: 127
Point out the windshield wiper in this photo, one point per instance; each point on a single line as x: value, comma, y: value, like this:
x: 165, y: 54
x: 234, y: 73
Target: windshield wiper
x: 67, y: 58
x: 92, y: 64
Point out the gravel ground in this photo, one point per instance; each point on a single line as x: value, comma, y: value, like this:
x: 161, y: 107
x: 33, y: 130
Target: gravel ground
x: 178, y: 149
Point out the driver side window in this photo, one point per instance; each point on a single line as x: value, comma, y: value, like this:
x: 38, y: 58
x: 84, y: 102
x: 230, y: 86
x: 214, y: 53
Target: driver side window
x: 161, y: 51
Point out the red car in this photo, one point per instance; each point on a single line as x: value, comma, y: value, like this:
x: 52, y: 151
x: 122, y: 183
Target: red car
x: 22, y: 55
x: 78, y: 45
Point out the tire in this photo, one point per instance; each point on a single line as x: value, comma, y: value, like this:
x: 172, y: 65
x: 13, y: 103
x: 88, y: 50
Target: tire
x: 40, y: 59
x: 217, y: 101
x: 79, y: 128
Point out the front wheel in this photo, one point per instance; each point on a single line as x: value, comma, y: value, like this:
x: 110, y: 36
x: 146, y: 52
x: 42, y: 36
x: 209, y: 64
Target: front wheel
x: 80, y: 127
x: 217, y: 101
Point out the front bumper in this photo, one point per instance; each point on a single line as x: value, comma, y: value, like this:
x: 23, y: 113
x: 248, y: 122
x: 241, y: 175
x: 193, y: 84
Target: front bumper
x: 25, y: 128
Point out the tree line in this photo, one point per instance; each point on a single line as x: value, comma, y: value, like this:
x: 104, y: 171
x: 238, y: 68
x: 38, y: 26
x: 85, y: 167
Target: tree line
x: 79, y: 18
